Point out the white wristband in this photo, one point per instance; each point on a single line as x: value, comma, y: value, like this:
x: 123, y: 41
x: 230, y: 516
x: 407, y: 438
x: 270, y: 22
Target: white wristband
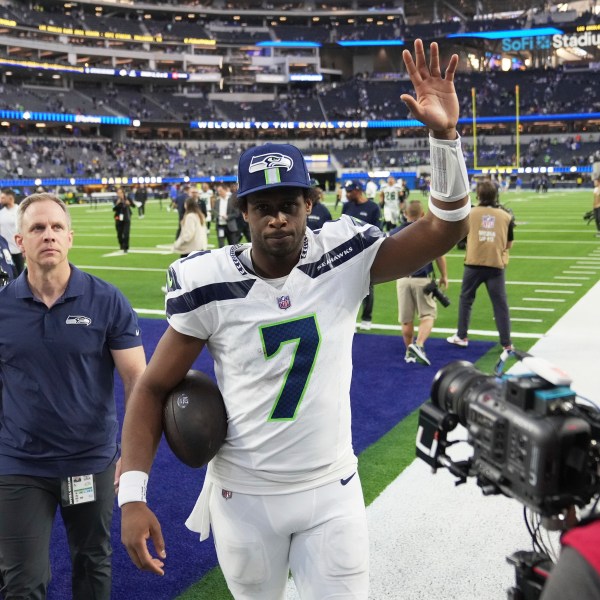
x: 449, y: 179
x: 450, y: 215
x: 132, y: 487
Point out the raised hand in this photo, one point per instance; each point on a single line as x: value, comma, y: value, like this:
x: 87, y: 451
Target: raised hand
x: 436, y: 105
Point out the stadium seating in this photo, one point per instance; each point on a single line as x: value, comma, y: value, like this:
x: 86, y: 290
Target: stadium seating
x: 356, y: 96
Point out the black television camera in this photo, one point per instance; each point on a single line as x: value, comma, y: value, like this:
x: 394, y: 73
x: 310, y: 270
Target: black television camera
x: 433, y: 289
x: 532, y: 438
x: 588, y: 217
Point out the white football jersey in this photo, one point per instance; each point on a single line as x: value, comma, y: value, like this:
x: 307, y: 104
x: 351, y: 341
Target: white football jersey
x: 391, y: 195
x: 391, y: 206
x: 283, y: 355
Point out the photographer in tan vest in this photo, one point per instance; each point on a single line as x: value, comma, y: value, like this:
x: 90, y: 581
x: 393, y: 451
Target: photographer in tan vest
x: 490, y: 237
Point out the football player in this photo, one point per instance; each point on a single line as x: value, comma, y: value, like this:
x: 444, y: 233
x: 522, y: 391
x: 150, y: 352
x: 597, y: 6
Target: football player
x: 278, y: 316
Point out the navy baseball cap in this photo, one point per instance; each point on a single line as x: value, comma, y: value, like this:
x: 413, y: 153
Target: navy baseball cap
x: 270, y: 166
x: 354, y: 185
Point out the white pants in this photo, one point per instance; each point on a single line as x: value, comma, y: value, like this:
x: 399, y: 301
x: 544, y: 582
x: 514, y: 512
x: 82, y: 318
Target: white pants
x: 391, y: 213
x: 320, y: 535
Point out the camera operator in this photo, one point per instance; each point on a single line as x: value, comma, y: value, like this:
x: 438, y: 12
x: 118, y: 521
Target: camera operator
x: 413, y: 297
x: 489, y: 239
x: 576, y: 575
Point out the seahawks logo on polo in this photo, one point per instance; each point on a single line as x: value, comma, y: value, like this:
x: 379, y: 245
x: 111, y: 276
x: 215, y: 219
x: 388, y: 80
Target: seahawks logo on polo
x: 78, y: 320
x: 270, y: 164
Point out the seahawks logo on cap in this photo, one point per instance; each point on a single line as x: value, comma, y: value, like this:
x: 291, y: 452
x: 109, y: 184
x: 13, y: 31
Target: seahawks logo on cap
x: 272, y: 160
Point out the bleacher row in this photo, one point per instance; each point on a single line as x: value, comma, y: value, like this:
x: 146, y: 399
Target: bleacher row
x: 541, y: 92
x: 366, y: 96
x: 27, y: 157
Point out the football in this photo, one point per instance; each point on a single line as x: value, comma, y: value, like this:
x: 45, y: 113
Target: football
x: 194, y: 419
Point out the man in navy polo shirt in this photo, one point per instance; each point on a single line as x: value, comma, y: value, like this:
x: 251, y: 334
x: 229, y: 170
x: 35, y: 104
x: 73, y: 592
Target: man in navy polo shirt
x: 360, y: 207
x: 63, y: 332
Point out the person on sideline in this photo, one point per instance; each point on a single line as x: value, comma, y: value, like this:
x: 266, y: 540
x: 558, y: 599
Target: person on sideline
x: 58, y: 420
x: 371, y: 190
x: 8, y: 271
x: 225, y: 214
x: 178, y: 205
x: 141, y: 197
x: 122, y: 212
x: 488, y: 242
x: 278, y: 316
x: 413, y: 299
x: 205, y: 201
x: 8, y: 227
x: 340, y: 196
x: 596, y: 205
x: 193, y: 234
x: 359, y: 207
x: 392, y: 204
x: 319, y: 214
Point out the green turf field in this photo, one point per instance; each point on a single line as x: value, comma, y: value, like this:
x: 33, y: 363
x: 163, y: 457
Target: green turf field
x: 554, y: 262
x: 546, y: 275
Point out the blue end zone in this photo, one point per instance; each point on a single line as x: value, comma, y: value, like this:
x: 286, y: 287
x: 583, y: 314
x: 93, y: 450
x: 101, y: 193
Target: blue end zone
x: 384, y: 390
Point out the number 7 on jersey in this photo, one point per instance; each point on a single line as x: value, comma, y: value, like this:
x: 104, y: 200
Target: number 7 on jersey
x: 304, y: 333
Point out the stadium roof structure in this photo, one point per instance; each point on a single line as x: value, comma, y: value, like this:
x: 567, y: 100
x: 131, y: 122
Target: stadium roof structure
x: 419, y: 9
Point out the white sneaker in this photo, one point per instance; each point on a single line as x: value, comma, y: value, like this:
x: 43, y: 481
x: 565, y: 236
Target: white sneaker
x: 418, y: 353
x: 365, y: 325
x: 454, y: 339
x: 164, y: 289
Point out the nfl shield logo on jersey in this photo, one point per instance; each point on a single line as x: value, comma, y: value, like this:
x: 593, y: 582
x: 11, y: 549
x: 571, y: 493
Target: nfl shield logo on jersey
x: 284, y: 302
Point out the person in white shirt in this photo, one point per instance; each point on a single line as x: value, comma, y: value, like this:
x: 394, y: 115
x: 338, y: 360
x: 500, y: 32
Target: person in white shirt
x: 371, y: 190
x: 225, y: 215
x: 8, y: 227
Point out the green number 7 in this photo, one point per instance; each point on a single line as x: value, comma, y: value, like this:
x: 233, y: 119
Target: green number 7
x: 303, y: 332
